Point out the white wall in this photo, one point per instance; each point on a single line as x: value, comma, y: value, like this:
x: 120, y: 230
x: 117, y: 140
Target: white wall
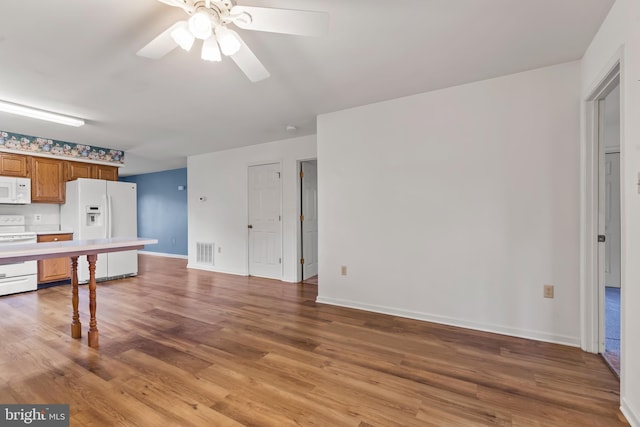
x: 619, y: 37
x: 221, y: 177
x: 457, y: 205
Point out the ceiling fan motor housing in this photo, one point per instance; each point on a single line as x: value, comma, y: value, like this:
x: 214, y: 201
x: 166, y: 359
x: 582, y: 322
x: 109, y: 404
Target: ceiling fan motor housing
x: 219, y: 9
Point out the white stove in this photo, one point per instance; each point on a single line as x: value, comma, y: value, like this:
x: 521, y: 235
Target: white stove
x: 20, y: 277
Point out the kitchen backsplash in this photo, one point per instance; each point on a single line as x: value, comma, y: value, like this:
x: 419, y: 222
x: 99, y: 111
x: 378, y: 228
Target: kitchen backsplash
x: 38, y: 216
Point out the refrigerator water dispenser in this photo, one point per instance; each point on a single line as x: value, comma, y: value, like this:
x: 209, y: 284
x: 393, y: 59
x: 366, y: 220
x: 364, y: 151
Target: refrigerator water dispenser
x: 94, y: 216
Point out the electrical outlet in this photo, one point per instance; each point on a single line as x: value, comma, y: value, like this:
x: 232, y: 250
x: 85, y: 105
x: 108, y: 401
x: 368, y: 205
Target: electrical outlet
x: 37, y: 218
x: 548, y: 291
x: 343, y: 270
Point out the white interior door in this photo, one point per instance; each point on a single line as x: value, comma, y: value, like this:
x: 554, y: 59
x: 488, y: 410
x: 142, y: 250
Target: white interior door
x: 609, y: 204
x: 309, y: 219
x: 612, y: 220
x: 265, y: 221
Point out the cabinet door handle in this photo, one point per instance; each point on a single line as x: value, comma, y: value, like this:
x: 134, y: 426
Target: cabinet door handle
x: 55, y: 239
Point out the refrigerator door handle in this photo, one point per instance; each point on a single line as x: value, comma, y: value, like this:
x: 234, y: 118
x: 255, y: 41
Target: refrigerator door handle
x: 109, y: 216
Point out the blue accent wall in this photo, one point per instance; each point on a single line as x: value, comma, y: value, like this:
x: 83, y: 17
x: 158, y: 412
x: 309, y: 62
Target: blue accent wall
x: 162, y: 209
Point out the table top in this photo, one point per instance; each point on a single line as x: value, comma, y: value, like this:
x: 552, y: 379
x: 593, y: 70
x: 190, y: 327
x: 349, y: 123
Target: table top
x: 33, y: 251
x: 49, y: 232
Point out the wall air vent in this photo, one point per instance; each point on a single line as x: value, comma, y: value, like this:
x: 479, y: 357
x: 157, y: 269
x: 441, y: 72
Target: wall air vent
x: 204, y: 253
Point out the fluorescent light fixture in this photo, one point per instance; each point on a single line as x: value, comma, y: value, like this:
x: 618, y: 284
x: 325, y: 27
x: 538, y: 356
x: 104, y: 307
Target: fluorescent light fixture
x: 229, y: 43
x: 210, y: 50
x: 182, y: 36
x: 21, y: 110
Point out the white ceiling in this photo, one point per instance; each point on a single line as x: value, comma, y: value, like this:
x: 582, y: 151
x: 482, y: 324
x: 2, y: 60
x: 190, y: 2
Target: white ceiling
x: 77, y: 57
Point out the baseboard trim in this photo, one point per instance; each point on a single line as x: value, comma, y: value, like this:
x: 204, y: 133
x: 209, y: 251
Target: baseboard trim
x: 217, y: 270
x: 213, y: 269
x: 633, y: 419
x: 496, y: 329
x: 163, y: 254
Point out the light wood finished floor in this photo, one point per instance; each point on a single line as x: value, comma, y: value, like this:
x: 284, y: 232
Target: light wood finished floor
x: 181, y: 347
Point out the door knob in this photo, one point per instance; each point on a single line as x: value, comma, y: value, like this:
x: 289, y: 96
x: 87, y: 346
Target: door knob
x: 250, y: 226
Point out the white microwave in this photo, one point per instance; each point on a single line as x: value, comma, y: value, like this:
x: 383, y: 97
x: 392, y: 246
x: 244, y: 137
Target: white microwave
x: 15, y: 191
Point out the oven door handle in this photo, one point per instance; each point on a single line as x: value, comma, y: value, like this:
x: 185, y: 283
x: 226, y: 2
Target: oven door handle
x: 15, y: 239
x: 13, y: 280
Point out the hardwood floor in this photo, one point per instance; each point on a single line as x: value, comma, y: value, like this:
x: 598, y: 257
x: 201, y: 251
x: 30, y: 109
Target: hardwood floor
x: 613, y: 360
x: 313, y: 280
x: 182, y: 347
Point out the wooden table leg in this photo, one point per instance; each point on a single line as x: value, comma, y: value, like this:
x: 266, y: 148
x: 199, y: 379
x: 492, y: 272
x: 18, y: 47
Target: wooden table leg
x: 76, y: 328
x: 93, y: 323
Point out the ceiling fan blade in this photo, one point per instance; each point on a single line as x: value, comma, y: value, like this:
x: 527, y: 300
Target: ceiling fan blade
x: 248, y: 62
x: 285, y: 21
x: 175, y: 3
x: 161, y: 45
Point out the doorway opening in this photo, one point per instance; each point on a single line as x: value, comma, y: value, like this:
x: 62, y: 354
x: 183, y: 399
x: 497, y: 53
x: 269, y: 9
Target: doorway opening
x: 309, y: 221
x: 602, y: 228
x: 610, y: 138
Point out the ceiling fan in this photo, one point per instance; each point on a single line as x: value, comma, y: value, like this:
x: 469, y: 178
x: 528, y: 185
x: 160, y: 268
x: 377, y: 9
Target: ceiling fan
x: 209, y: 21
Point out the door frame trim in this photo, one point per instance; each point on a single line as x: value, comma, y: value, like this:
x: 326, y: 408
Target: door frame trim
x: 299, y: 205
x: 591, y: 159
x: 300, y: 272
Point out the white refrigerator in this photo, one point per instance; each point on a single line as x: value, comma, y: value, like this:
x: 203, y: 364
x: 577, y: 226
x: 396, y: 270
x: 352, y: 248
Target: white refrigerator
x: 99, y: 209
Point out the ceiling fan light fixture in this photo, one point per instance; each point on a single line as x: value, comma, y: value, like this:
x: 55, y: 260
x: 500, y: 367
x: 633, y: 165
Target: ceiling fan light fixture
x: 200, y: 25
x: 183, y: 37
x: 229, y: 43
x: 210, y: 50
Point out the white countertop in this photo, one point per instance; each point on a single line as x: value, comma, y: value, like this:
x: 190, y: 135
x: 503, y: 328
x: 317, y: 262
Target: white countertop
x: 46, y: 233
x: 70, y: 248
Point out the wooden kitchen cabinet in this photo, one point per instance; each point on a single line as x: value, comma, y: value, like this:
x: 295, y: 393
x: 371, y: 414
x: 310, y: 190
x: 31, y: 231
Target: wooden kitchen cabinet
x: 49, y: 175
x: 14, y: 165
x: 77, y: 170
x: 47, y: 180
x: 110, y: 173
x: 54, y: 269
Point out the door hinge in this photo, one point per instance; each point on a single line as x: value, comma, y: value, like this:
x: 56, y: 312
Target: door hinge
x: 278, y: 175
x: 601, y: 238
x: 279, y: 260
x: 301, y: 218
x: 301, y: 260
x: 279, y: 217
x: 301, y: 174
